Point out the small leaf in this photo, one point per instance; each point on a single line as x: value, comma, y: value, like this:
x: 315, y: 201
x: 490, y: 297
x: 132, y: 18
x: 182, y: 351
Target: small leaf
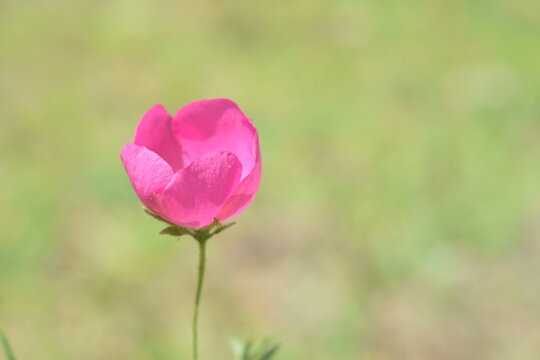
x: 6, y: 347
x: 268, y: 355
x: 264, y: 349
x: 247, y: 348
x: 238, y: 348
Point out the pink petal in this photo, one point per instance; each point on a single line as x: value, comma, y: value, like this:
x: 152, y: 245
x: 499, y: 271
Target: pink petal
x: 244, y: 194
x: 155, y: 133
x: 197, y: 192
x: 149, y: 174
x: 216, y: 125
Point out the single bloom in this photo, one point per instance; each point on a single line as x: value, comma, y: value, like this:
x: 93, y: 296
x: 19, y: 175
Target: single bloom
x: 200, y: 164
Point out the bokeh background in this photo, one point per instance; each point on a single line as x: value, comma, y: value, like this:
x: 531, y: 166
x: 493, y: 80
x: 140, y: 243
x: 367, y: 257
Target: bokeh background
x: 399, y: 213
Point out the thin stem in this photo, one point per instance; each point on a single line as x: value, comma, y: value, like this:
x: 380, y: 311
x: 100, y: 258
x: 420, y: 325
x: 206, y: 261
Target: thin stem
x: 200, y: 282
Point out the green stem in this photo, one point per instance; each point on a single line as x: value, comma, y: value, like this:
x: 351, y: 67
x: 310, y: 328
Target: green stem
x: 200, y: 282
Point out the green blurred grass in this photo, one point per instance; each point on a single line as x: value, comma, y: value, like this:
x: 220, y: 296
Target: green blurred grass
x: 398, y: 215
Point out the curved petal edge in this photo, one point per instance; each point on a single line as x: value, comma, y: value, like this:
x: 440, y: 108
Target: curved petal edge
x: 148, y: 172
x: 197, y: 192
x: 154, y: 132
x: 216, y: 125
x: 244, y: 194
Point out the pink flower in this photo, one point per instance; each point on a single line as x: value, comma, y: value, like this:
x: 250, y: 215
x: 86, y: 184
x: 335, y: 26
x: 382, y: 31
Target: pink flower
x: 200, y: 164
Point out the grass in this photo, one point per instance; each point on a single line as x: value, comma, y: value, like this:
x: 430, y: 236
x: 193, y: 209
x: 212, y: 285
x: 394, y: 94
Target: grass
x: 8, y: 352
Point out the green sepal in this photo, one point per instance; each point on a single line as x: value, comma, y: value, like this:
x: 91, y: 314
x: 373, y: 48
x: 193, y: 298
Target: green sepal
x: 201, y: 234
x: 176, y: 231
x: 157, y: 217
x: 221, y: 227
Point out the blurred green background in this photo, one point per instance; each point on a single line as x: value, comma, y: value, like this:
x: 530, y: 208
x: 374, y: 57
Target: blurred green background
x: 399, y: 214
